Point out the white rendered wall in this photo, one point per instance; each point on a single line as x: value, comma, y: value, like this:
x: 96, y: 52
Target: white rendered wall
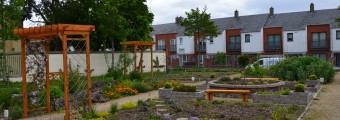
x: 255, y: 45
x: 219, y: 44
x: 299, y: 43
x: 335, y: 44
x: 187, y: 45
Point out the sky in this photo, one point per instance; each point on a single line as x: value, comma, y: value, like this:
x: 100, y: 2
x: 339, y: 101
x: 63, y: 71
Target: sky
x: 165, y: 11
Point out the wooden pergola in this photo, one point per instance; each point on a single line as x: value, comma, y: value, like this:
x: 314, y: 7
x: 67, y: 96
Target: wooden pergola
x: 65, y: 32
x: 135, y: 45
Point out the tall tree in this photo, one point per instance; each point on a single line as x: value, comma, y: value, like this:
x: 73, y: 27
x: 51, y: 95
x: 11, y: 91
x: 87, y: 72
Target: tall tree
x: 11, y: 17
x: 338, y: 19
x: 198, y: 23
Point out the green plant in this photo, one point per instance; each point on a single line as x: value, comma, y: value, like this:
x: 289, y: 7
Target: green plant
x: 116, y: 73
x: 225, y: 79
x: 278, y: 113
x: 217, y: 102
x: 129, y: 105
x: 139, y: 102
x: 292, y: 108
x: 243, y: 60
x: 113, y: 108
x: 90, y: 114
x: 299, y: 68
x: 141, y: 87
x: 15, y: 112
x: 250, y: 83
x: 101, y: 114
x: 212, y: 76
x: 264, y: 105
x: 135, y: 75
x: 5, y: 96
x: 167, y: 85
x: 299, y: 88
x: 265, y: 83
x: 285, y: 91
x: 185, y: 88
x: 237, y: 78
x: 313, y: 77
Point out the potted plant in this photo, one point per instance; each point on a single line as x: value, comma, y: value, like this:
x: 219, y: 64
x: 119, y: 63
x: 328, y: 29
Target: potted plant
x: 312, y: 81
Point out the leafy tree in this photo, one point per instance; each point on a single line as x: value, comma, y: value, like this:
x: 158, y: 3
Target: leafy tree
x: 221, y: 58
x: 338, y: 19
x: 243, y: 60
x: 198, y: 23
x: 11, y: 17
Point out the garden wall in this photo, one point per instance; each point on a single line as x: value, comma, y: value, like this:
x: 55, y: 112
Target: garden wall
x: 296, y: 98
x: 173, y: 95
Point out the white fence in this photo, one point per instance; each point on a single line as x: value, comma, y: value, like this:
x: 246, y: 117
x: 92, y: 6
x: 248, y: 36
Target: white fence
x: 98, y: 62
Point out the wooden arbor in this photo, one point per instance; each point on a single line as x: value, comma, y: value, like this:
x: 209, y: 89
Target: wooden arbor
x: 65, y: 32
x: 135, y: 45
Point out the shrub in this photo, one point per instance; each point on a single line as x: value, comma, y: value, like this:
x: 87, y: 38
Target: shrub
x: 15, y: 112
x: 285, y: 91
x: 313, y: 77
x: 225, y: 79
x: 116, y: 73
x: 141, y: 87
x: 243, y: 60
x: 5, y: 96
x: 135, y: 75
x: 55, y: 93
x: 265, y: 83
x: 102, y: 114
x: 299, y: 88
x: 250, y: 83
x: 212, y: 75
x: 113, y: 108
x: 167, y: 85
x: 299, y: 68
x: 237, y: 78
x: 185, y: 88
x: 128, y: 105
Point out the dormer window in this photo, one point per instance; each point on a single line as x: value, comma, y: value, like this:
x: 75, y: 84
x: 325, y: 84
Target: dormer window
x: 290, y: 37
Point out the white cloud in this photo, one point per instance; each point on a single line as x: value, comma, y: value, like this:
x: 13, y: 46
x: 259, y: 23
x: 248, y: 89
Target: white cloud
x: 165, y: 11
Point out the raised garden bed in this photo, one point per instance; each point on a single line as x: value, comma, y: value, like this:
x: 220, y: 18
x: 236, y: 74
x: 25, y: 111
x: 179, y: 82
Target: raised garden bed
x: 295, y: 98
x: 174, y: 95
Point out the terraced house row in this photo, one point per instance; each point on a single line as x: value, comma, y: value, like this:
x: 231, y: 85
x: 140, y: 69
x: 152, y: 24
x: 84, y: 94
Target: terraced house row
x: 313, y: 32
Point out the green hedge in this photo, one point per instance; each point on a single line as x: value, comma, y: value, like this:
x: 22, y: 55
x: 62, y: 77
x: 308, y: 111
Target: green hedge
x: 300, y: 68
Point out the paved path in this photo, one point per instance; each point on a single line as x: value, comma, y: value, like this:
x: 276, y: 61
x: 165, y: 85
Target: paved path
x: 327, y: 107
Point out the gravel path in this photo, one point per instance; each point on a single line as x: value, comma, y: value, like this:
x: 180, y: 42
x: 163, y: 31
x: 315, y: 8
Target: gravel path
x: 326, y: 106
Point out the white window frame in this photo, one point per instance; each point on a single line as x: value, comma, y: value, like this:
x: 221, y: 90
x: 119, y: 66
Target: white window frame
x: 186, y: 58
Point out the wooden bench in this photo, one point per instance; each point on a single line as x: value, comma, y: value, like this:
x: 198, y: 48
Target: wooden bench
x: 244, y: 93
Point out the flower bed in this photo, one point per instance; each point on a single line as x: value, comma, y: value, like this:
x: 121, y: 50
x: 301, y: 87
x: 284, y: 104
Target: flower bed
x: 174, y: 95
x: 296, y: 98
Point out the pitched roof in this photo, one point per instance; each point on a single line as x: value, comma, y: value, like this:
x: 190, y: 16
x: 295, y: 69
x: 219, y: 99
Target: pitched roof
x: 254, y: 23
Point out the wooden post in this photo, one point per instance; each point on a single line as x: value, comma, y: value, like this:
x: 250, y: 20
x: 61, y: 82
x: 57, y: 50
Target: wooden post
x: 23, y: 70
x: 124, y: 60
x: 48, y: 91
x: 135, y: 56
x: 141, y: 62
x: 88, y: 68
x: 151, y: 61
x: 67, y: 112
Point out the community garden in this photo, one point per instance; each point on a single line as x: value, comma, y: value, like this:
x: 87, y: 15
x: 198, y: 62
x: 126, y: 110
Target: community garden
x: 295, y: 73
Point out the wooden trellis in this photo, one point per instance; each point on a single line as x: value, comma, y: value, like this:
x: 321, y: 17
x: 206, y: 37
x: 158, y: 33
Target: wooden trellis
x: 65, y: 32
x: 135, y: 45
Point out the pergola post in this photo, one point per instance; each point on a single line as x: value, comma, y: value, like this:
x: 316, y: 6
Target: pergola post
x: 66, y: 91
x: 23, y: 70
x: 48, y: 92
x: 151, y: 61
x: 88, y: 70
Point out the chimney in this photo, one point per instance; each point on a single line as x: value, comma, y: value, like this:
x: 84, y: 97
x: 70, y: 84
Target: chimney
x: 311, y: 8
x: 179, y: 19
x: 236, y: 14
x: 176, y: 20
x: 271, y: 11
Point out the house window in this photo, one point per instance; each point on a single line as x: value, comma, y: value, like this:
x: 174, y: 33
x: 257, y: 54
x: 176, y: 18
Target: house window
x: 338, y: 34
x: 181, y: 50
x: 161, y: 45
x: 321, y: 56
x: 184, y: 58
x: 273, y: 42
x: 180, y: 41
x: 319, y: 40
x: 247, y: 38
x: 173, y: 47
x: 211, y: 40
x: 289, y: 37
x: 234, y: 43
